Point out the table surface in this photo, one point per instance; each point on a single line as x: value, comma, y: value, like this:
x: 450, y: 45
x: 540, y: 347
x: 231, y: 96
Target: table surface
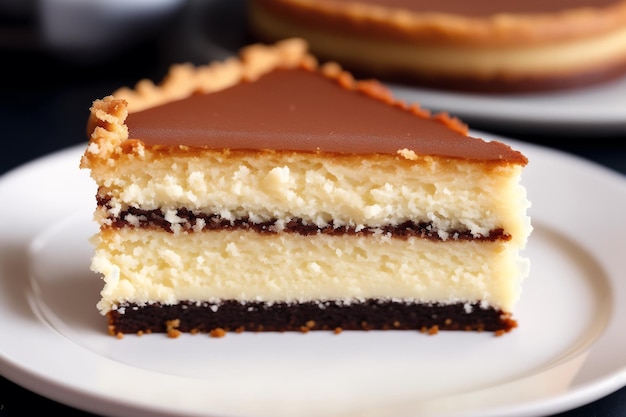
x: 56, y: 95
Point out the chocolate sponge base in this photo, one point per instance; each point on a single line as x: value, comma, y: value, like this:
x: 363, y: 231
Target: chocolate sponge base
x: 234, y: 316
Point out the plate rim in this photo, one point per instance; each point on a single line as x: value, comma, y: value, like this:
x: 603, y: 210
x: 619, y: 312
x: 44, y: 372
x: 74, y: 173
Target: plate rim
x: 60, y: 390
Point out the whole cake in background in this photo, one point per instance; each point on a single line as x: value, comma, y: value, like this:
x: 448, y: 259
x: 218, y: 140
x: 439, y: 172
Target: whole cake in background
x: 271, y: 193
x: 481, y: 46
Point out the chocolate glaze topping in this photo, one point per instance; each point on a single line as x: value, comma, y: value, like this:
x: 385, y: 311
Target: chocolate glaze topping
x: 486, y: 7
x: 302, y: 110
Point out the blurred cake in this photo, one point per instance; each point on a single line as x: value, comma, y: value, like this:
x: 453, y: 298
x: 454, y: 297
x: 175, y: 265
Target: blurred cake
x: 271, y: 193
x: 486, y: 46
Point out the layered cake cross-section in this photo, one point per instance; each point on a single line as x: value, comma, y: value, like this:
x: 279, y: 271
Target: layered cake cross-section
x: 269, y: 192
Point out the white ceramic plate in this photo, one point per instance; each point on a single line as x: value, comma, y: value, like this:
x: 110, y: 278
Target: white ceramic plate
x: 215, y: 29
x: 599, y: 110
x: 569, y: 349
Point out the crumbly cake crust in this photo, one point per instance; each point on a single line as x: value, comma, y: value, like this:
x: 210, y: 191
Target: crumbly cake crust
x: 106, y: 122
x: 109, y: 134
x: 185, y: 79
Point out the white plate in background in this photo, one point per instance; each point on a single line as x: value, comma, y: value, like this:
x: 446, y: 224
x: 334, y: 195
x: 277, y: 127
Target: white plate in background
x: 598, y: 110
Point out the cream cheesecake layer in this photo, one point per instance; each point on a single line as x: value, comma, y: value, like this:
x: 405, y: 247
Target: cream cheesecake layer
x: 483, y: 61
x: 146, y: 266
x: 342, y: 190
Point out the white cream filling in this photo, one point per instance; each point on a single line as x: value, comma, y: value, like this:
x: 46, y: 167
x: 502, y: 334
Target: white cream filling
x: 142, y: 266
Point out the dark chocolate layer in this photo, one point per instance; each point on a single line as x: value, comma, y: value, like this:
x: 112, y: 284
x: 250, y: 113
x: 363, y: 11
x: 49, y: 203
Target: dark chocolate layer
x: 304, y: 111
x: 255, y: 316
x: 155, y: 219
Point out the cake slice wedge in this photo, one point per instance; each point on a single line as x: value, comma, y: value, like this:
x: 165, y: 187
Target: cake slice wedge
x: 269, y: 192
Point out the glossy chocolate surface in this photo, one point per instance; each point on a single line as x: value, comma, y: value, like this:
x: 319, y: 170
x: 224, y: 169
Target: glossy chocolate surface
x: 301, y: 110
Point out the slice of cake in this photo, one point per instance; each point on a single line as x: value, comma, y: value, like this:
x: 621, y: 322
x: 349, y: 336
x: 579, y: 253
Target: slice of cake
x: 490, y: 45
x: 270, y: 193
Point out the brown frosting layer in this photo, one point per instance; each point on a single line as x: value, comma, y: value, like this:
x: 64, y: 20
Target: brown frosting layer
x: 305, y: 111
x: 486, y: 7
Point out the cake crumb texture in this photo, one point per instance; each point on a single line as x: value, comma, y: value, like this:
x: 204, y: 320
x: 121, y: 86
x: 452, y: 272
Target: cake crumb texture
x: 298, y: 217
